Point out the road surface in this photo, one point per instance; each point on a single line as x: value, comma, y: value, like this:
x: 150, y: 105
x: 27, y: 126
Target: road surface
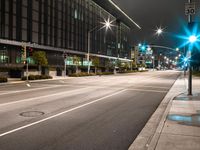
x: 88, y: 113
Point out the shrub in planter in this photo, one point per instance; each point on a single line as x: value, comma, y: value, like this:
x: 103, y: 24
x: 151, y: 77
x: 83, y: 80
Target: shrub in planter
x: 31, y: 77
x: 37, y: 77
x: 108, y: 73
x: 3, y: 79
x: 99, y: 73
x: 45, y: 77
x: 81, y: 74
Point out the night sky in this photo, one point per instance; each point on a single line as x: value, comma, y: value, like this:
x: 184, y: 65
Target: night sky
x: 150, y: 14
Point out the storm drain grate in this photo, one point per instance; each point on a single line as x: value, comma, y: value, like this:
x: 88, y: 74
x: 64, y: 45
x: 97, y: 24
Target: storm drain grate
x: 31, y: 114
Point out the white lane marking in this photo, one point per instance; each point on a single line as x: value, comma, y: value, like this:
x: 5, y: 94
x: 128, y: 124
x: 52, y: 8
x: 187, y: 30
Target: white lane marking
x: 30, y: 90
x: 49, y: 87
x: 40, y: 97
x: 108, y: 81
x: 59, y: 114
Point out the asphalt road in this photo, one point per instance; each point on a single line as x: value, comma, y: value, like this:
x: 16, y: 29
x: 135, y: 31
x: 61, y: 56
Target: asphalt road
x: 88, y: 113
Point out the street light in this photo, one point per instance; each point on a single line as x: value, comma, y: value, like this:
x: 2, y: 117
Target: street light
x: 192, y: 39
x: 159, y: 31
x: 107, y: 25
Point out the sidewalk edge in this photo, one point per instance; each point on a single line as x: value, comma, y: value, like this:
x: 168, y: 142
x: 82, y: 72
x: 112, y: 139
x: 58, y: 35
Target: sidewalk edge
x: 148, y: 137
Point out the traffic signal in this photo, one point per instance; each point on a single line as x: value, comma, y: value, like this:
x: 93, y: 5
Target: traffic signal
x: 64, y: 55
x: 30, y: 51
x: 23, y: 52
x: 142, y: 48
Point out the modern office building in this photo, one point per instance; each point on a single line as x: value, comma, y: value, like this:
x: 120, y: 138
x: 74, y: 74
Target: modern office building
x: 61, y: 26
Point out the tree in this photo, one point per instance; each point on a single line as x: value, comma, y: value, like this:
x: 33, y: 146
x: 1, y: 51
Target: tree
x: 96, y: 63
x: 76, y: 61
x: 40, y: 58
x: 108, y: 64
x: 119, y: 64
x: 134, y: 65
x: 126, y: 65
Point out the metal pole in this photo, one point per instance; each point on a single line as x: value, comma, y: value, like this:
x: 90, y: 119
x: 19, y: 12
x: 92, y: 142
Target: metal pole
x: 131, y: 65
x: 27, y: 69
x: 26, y: 62
x: 153, y: 61
x: 190, y: 67
x: 184, y: 63
x: 88, y: 55
x: 64, y: 68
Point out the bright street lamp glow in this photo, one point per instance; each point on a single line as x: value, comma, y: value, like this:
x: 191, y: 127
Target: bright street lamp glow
x: 107, y: 24
x: 159, y: 31
x: 185, y: 59
x: 149, y: 48
x: 192, y: 38
x: 177, y: 49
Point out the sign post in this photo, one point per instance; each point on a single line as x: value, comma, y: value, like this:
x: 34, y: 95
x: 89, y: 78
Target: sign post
x: 190, y: 10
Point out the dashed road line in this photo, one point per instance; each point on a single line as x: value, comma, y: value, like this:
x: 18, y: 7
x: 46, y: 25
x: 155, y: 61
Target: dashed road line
x: 59, y: 114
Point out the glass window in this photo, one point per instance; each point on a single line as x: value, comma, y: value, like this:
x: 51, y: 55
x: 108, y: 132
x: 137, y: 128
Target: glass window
x: 75, y: 14
x: 24, y: 23
x: 4, y: 56
x: 24, y: 35
x: 24, y: 11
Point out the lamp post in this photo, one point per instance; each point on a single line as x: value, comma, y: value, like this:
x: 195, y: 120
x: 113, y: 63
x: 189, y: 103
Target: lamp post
x: 107, y: 25
x: 153, y: 61
x: 192, y: 39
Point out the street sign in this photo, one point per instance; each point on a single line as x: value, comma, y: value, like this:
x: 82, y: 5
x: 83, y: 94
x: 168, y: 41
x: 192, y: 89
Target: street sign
x: 190, y: 8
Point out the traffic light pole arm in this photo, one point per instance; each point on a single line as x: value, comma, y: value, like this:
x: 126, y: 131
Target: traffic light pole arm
x: 164, y: 47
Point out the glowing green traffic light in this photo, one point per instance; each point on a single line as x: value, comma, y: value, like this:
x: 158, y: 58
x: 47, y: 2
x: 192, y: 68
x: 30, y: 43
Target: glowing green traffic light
x: 143, y: 48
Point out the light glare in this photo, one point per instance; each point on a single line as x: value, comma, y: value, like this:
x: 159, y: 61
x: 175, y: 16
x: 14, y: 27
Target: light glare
x: 159, y: 31
x: 192, y: 38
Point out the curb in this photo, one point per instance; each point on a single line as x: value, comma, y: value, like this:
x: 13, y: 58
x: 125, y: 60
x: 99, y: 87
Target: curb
x: 149, y: 136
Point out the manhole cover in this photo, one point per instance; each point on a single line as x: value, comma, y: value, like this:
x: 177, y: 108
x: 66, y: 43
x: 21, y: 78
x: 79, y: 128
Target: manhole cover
x: 31, y: 114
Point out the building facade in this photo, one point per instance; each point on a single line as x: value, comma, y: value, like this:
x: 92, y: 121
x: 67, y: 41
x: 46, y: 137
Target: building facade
x: 57, y: 27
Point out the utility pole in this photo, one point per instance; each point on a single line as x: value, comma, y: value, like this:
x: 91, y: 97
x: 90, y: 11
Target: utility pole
x: 88, y: 54
x: 153, y: 61
x: 65, y: 67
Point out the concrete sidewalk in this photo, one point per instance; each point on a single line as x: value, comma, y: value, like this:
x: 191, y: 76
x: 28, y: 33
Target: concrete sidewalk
x: 175, y: 125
